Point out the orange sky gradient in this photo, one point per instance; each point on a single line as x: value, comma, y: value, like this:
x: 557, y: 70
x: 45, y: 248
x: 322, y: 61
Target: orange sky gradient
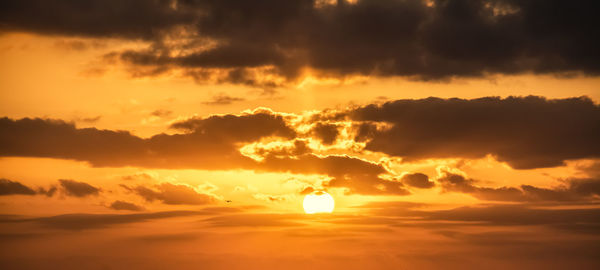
x: 186, y: 134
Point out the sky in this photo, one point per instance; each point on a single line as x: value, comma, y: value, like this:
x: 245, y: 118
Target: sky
x: 186, y: 134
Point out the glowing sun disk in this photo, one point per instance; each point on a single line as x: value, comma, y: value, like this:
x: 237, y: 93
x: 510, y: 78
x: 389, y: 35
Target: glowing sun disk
x: 318, y: 202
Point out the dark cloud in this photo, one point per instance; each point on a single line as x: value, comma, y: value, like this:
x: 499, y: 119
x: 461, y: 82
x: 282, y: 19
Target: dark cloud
x: 451, y: 38
x: 417, y: 180
x: 8, y: 187
x: 249, y: 77
x: 300, y: 147
x: 77, y: 189
x: 78, y: 45
x: 327, y: 133
x: 169, y: 193
x: 48, y: 192
x: 222, y: 99
x: 209, y: 143
x: 357, y: 175
x: 243, y: 128
x: 573, y: 190
x: 216, y: 136
x: 58, y: 139
x: 584, y: 186
x: 526, y: 132
x: 122, y: 205
x: 131, y: 19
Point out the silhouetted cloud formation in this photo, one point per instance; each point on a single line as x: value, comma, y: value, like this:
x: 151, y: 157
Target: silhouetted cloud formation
x: 210, y: 143
x: 526, y: 132
x: 444, y: 39
x: 8, y: 187
x: 68, y: 187
x: 357, y: 175
x: 122, y: 205
x: 131, y: 19
x: 77, y: 189
x: 417, y: 180
x: 240, y: 128
x: 326, y: 132
x: 48, y: 192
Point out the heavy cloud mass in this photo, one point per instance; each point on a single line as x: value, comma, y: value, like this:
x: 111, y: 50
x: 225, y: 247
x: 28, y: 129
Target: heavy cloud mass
x: 211, y: 143
x: 240, y: 41
x: 299, y: 134
x: 526, y: 132
x: 206, y: 138
x: 131, y: 19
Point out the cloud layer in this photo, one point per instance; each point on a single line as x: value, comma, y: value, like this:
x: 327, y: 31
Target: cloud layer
x: 211, y: 143
x: 525, y: 132
x: 266, y: 43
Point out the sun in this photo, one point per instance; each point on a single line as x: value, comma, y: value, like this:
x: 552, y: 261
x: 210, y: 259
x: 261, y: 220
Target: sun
x: 318, y: 202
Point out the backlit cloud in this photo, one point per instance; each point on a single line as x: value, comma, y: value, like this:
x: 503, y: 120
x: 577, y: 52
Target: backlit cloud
x: 268, y: 43
x: 525, y: 132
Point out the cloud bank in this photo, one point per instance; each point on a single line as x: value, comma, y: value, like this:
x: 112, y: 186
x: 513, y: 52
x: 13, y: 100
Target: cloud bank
x: 525, y: 132
x: 268, y: 43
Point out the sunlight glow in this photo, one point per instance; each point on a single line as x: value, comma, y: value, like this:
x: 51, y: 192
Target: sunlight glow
x: 318, y: 202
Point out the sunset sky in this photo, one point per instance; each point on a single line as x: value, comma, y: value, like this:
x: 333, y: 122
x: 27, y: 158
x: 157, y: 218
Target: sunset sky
x: 186, y: 134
